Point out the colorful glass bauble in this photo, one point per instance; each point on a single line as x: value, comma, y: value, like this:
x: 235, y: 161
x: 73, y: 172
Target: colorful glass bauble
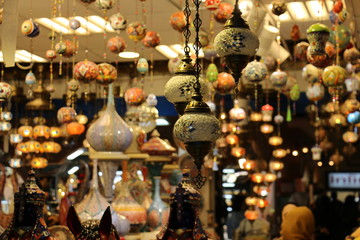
x: 334, y: 76
x: 55, y: 132
x: 223, y: 12
x: 295, y: 92
x: 41, y: 131
x: 109, y: 132
x: 270, y: 62
x: 15, y: 138
x: 134, y: 96
x: 50, y: 54
x: 66, y: 115
x: 249, y: 165
x: 75, y: 128
x: 354, y: 117
x: 174, y: 63
x: 60, y: 47
x: 251, y: 201
x: 278, y: 119
x: 30, y: 78
x: 74, y: 24
x: 338, y: 6
x: 5, y: 126
x: 136, y: 31
x: 210, y: 52
x: 352, y: 84
x: 51, y: 147
x: 30, y: 28
x: 279, y: 153
x: 107, y: 74
x: 320, y: 61
x: 275, y: 141
x: 266, y: 128
x: 338, y: 18
x: 267, y: 111
x: 278, y: 78
x: 39, y: 162
x: 291, y: 81
x: 350, y: 137
x: 311, y: 74
x: 337, y: 119
x: 255, y: 71
x: 343, y: 36
x: 25, y: 131
x: 212, y: 4
x: 237, y: 113
x: 73, y: 85
x: 300, y: 51
x: 352, y: 55
x: 5, y: 91
x: 105, y: 4
x: 151, y: 39
x: 276, y: 166
x: 257, y: 178
x: 85, y: 71
x: 212, y: 73
x: 126, y: 205
x: 70, y: 50
x: 224, y: 83
x: 318, y: 35
x: 178, y: 21
x: 33, y: 147
x: 315, y: 92
x: 116, y: 45
x: 278, y: 7
x: 232, y: 139
x: 238, y: 151
x: 142, y: 66
x: 117, y: 22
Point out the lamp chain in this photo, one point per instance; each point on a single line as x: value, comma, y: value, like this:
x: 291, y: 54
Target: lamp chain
x: 186, y: 32
x: 197, y: 44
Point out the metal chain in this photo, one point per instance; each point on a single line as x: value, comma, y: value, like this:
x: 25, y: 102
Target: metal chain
x: 197, y: 44
x: 186, y: 31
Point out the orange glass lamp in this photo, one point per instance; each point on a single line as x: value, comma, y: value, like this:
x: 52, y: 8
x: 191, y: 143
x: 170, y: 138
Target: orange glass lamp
x: 275, y: 141
x: 41, y: 131
x: 267, y: 111
x: 276, y: 165
x: 15, y: 162
x: 337, y: 119
x: 350, y: 137
x: 75, y: 128
x: 51, y: 147
x: 249, y: 165
x: 55, y: 132
x: 39, y: 162
x: 232, y: 139
x: 238, y: 151
x: 256, y: 117
x: 261, y: 190
x: 270, y: 177
x: 257, y: 178
x: 251, y: 215
x: 251, y: 201
x: 279, y: 153
x: 266, y: 128
x: 33, y: 146
x: 262, y: 203
x: 25, y: 131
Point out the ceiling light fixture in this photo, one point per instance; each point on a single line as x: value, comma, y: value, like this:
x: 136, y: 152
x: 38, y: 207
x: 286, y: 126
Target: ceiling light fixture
x: 75, y: 154
x: 129, y: 55
x: 65, y: 22
x: 29, y: 56
x: 48, y: 23
x: 73, y: 170
x: 298, y: 10
x: 166, y: 51
x: 89, y: 25
x: 100, y: 22
x: 317, y: 9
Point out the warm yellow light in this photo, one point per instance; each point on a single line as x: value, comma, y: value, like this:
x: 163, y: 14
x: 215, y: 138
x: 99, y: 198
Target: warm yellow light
x: 275, y: 140
x: 295, y: 153
x: 331, y: 163
x: 305, y: 150
x: 319, y: 164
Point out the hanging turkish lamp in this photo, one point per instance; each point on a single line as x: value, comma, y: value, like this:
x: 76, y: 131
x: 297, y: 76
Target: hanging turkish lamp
x: 279, y: 153
x: 257, y: 178
x: 237, y: 113
x: 267, y: 112
x: 197, y: 128
x: 350, y: 137
x: 212, y: 73
x: 317, y: 34
x: 276, y: 165
x: 236, y: 43
x: 316, y: 152
x: 266, y: 128
x: 270, y: 177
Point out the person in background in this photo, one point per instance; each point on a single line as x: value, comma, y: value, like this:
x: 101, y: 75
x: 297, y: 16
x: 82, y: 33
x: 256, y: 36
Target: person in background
x: 298, y: 223
x: 258, y: 229
x: 350, y: 214
x: 354, y: 236
x: 236, y: 216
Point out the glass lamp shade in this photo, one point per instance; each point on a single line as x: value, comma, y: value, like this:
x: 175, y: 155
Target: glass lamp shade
x: 81, y: 118
x: 334, y: 76
x: 251, y: 215
x: 249, y: 165
x: 5, y: 91
x: 212, y: 4
x: 337, y: 119
x: 255, y: 117
x: 251, y: 201
x: 352, y: 55
x: 238, y: 151
x: 278, y: 78
x: 116, y: 44
x: 5, y: 126
x: 33, y: 146
x: 39, y: 162
x: 354, y: 117
x: 257, y: 178
x: 255, y: 71
x: 224, y: 83
x: 278, y: 119
x: 311, y: 74
x: 15, y: 162
x: 109, y: 132
x: 86, y: 71
x: 232, y: 139
x: 25, y: 131
x: 15, y: 138
x: 275, y: 141
x: 136, y: 31
x: 51, y: 147
x: 142, y: 66
x: 55, y: 132
x: 107, y: 74
x: 180, y: 88
x: 66, y: 115
x: 178, y: 21
x: 351, y: 105
x: 267, y: 111
x: 315, y: 92
x: 317, y: 34
x: 266, y: 128
x: 262, y: 203
x: 279, y: 153
x: 270, y: 177
x: 350, y: 137
x: 151, y: 39
x: 276, y: 165
x: 75, y: 128
x: 41, y: 131
x: 237, y: 113
x: 7, y: 116
x: 316, y: 152
x: 22, y: 147
x: 134, y: 96
x: 118, y: 22
x: 212, y: 73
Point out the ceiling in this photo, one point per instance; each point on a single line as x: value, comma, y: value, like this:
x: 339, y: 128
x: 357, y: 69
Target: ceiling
x: 157, y: 19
